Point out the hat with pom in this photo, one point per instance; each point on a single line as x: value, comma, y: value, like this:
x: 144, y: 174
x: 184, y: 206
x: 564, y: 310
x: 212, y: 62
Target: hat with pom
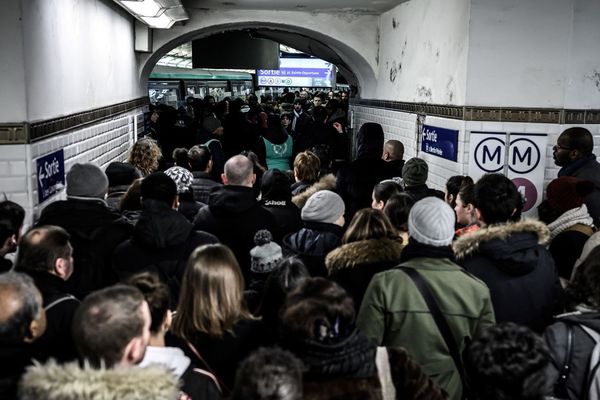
x: 266, y: 255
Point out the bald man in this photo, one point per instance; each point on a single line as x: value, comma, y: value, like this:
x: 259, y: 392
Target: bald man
x: 22, y: 321
x: 233, y: 214
x: 573, y: 152
x: 393, y: 154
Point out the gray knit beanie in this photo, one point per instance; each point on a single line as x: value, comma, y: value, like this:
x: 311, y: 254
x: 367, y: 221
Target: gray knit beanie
x: 431, y: 221
x: 415, y: 172
x: 86, y: 180
x: 323, y: 206
x: 266, y: 255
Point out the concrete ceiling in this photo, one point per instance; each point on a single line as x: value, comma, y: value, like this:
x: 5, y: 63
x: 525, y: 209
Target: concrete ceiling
x: 357, y: 6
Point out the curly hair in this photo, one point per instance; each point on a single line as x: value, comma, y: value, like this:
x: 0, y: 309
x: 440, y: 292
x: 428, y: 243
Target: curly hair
x: 507, y: 361
x: 144, y: 155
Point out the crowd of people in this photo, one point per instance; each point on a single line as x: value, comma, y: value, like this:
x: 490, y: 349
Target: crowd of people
x: 259, y: 262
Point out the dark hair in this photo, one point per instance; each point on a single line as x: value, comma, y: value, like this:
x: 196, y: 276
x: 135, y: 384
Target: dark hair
x: 467, y: 192
x: 11, y: 219
x: 580, y: 139
x: 156, y: 294
x: 131, y: 199
x: 199, y: 157
x: 269, y: 374
x: 105, y: 322
x: 41, y: 246
x: 18, y: 288
x: 323, y: 153
x: 507, y: 361
x: 453, y: 185
x: 180, y: 156
x: 497, y: 199
x: 318, y: 309
x: 585, y: 286
x: 397, y: 209
x: 158, y: 186
x: 385, y: 189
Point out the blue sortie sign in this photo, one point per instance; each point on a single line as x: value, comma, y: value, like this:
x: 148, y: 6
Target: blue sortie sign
x: 440, y: 142
x: 50, y: 174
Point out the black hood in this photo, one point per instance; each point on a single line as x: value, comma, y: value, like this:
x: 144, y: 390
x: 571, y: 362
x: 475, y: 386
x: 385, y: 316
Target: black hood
x: 316, y: 239
x: 160, y: 226
x: 275, y: 185
x: 231, y: 199
x: 369, y: 141
x: 85, y: 216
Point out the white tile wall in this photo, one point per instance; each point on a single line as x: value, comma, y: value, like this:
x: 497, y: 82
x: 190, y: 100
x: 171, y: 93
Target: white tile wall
x: 402, y: 126
x: 100, y: 143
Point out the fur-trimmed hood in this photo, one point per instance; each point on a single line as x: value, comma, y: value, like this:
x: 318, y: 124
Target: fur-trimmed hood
x: 512, y: 246
x: 70, y: 382
x: 326, y: 182
x: 370, y: 251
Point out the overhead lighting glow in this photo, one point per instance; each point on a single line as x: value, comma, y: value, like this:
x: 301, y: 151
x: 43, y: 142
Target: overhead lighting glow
x: 145, y: 8
x: 161, y: 22
x: 160, y: 14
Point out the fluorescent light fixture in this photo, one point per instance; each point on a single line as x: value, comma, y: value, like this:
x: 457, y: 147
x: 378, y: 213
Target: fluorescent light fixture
x: 160, y: 14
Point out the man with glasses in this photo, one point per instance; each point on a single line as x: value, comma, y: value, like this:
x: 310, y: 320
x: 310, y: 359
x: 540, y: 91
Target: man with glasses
x: 573, y: 152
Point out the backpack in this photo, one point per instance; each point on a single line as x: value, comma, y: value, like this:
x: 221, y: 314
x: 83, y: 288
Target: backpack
x: 591, y: 386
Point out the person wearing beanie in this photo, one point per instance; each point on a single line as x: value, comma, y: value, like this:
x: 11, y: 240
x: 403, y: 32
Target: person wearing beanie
x: 276, y: 198
x: 163, y: 239
x: 394, y: 313
x: 323, y: 218
x: 184, y: 179
x: 509, y: 254
x: 414, y: 175
x: 568, y: 219
x: 265, y: 258
x: 120, y: 176
x: 95, y: 229
x: 356, y: 180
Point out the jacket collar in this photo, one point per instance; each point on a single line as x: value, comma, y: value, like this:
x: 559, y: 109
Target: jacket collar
x: 370, y: 251
x: 469, y: 244
x: 327, y: 182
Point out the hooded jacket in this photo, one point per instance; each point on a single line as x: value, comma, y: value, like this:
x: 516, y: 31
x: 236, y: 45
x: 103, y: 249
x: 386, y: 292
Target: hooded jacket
x: 587, y: 168
x: 356, y: 180
x: 233, y: 215
x: 202, y: 185
x: 556, y: 340
x: 71, y: 382
x: 327, y: 182
x: 162, y: 242
x: 512, y: 260
x: 352, y: 265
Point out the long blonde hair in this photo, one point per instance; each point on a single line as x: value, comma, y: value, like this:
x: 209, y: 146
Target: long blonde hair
x: 144, y: 155
x: 211, y: 299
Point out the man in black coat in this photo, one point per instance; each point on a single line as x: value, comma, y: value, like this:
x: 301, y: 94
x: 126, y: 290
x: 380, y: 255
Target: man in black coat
x: 46, y: 255
x: 233, y: 214
x: 202, y: 164
x: 414, y: 175
x: 163, y: 239
x: 95, y: 230
x: 356, y: 180
x: 393, y: 154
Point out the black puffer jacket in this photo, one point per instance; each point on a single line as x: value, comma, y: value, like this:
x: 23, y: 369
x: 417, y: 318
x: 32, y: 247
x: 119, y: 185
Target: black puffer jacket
x: 202, y: 186
x: 162, y: 242
x: 520, y: 273
x: 356, y: 180
x: 556, y: 339
x: 312, y: 243
x: 233, y: 215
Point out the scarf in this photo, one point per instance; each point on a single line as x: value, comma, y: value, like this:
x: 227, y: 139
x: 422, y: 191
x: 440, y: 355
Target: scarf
x: 569, y: 170
x: 415, y: 249
x: 570, y: 218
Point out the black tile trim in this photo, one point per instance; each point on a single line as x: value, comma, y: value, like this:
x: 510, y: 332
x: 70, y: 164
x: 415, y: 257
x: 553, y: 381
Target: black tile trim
x: 504, y: 114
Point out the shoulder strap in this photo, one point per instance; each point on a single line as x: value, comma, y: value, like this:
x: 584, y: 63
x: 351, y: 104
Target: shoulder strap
x: 60, y: 300
x: 439, y: 319
x: 581, y: 228
x: 560, y: 387
x: 593, y: 381
x: 388, y: 390
x: 212, y: 374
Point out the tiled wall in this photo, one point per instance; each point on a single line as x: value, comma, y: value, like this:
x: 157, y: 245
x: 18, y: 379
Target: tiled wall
x: 403, y: 126
x: 99, y: 143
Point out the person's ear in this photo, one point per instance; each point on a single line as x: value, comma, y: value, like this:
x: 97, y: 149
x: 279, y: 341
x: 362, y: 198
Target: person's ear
x: 478, y: 215
x: 175, y: 204
x: 36, y: 329
x: 209, y: 166
x: 167, y: 321
x: 134, y: 351
x: 224, y: 179
x: 253, y: 179
x: 450, y: 198
x: 61, y: 268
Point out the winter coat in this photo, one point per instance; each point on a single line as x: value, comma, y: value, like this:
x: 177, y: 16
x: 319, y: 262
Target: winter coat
x: 57, y: 341
x: 512, y: 260
x: 556, y: 340
x: 352, y: 265
x: 587, y: 168
x: 394, y: 313
x: 234, y: 215
x: 71, y: 382
x: 202, y: 186
x: 95, y: 232
x: 14, y: 358
x: 326, y: 182
x: 395, y: 167
x: 5, y: 264
x: 286, y: 216
x: 312, y: 243
x: 419, y: 192
x: 355, y: 369
x: 355, y: 181
x: 188, y: 207
x: 566, y: 248
x: 162, y: 242
x: 115, y: 194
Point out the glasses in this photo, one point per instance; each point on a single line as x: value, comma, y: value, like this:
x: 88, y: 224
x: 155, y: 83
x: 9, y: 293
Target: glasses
x: 559, y: 147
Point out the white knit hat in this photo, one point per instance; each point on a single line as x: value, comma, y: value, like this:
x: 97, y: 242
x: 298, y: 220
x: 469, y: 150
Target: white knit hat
x: 431, y: 221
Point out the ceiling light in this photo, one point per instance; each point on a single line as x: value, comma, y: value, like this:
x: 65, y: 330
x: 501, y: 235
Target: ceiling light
x: 160, y: 14
x: 144, y: 8
x: 161, y: 22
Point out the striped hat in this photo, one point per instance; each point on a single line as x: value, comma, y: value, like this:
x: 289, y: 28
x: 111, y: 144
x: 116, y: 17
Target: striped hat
x: 431, y: 221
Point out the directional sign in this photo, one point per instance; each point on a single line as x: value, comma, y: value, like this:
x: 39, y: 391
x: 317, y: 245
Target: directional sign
x: 440, y: 142
x: 50, y: 174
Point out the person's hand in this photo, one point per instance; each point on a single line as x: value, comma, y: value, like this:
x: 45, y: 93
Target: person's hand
x: 338, y: 127
x: 262, y: 117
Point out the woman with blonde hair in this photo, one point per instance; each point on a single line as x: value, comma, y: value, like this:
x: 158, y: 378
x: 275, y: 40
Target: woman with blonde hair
x: 144, y: 155
x: 370, y: 245
x: 212, y: 325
